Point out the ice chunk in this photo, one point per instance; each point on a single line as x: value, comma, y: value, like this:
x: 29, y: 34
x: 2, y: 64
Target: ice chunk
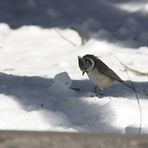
x: 61, y: 86
x: 131, y: 129
x: 63, y: 80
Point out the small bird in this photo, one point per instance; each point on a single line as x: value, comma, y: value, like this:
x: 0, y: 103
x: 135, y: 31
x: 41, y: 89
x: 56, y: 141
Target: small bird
x: 98, y: 72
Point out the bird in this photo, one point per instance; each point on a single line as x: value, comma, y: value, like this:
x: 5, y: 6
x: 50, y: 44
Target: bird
x: 98, y: 72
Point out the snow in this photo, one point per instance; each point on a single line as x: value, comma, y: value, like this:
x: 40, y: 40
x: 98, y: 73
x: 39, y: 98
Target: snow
x: 41, y: 85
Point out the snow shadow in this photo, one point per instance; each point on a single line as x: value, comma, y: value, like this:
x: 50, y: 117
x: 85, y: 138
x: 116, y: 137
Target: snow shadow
x: 67, y: 109
x: 99, y: 19
x: 55, y: 13
x: 117, y: 90
x: 72, y: 108
x: 27, y: 90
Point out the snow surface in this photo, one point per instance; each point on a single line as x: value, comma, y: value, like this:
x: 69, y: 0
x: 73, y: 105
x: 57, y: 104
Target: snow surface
x: 41, y: 85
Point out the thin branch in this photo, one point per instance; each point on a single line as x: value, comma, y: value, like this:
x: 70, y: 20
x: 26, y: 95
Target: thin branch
x: 66, y: 39
x: 136, y: 94
x: 139, y: 73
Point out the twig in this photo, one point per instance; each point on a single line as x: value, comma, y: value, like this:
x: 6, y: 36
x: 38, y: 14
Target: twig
x: 136, y: 94
x: 69, y: 41
x: 139, y: 73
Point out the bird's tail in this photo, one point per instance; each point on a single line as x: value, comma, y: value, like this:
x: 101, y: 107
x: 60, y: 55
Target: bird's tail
x: 127, y: 85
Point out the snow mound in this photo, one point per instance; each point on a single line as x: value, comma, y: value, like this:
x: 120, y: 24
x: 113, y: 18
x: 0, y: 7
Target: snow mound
x: 63, y: 80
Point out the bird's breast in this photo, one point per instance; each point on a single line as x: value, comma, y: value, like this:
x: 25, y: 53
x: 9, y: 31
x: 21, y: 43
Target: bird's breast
x: 99, y: 79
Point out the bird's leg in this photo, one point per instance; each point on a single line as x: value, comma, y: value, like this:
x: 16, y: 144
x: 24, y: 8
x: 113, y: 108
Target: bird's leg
x: 99, y: 92
x: 75, y: 89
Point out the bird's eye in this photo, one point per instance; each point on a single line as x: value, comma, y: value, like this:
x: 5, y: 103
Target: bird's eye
x: 88, y: 62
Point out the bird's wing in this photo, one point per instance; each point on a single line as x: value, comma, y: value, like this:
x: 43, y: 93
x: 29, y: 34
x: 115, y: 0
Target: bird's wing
x: 104, y: 69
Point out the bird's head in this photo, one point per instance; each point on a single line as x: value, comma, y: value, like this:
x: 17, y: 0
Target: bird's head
x: 86, y: 63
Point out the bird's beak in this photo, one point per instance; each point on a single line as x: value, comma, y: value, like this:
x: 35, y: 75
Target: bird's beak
x: 80, y: 60
x: 83, y: 73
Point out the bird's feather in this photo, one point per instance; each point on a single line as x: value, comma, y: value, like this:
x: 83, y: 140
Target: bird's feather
x: 104, y: 69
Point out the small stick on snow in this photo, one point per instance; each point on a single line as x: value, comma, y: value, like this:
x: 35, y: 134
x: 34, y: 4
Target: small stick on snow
x: 69, y: 41
x: 138, y: 73
x: 136, y: 94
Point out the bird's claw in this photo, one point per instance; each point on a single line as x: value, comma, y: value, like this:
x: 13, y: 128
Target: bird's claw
x: 99, y: 93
